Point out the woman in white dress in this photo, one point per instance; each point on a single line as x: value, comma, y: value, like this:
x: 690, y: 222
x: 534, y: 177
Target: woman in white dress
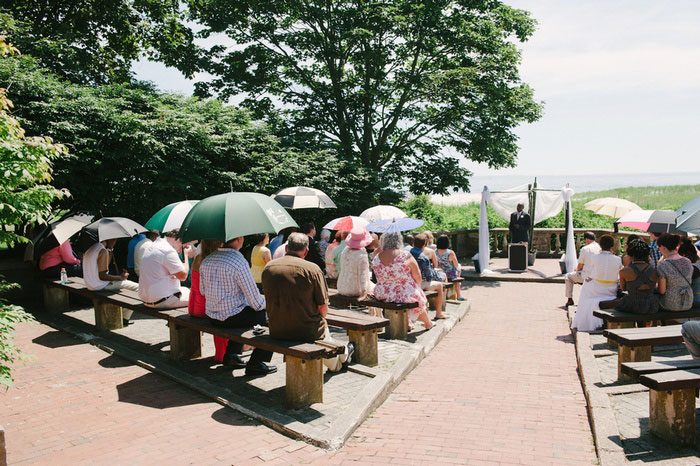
x: 600, y: 285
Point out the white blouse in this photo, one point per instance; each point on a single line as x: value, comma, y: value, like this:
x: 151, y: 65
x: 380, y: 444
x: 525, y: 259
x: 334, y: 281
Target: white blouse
x: 354, y: 278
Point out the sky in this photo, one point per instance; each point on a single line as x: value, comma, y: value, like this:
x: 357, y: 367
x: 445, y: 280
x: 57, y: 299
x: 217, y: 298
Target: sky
x: 620, y: 83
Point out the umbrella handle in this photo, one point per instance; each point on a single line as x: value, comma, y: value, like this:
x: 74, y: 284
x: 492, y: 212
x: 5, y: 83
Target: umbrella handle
x: 114, y: 261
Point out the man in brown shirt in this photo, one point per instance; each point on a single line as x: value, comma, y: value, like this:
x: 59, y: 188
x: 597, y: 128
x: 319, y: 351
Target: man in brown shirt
x: 297, y: 298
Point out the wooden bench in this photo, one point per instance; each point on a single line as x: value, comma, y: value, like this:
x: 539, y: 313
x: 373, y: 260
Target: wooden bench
x: 362, y: 330
x: 452, y: 292
x: 618, y: 319
x: 304, y: 365
x: 672, y: 404
x: 636, y: 369
x: 635, y: 344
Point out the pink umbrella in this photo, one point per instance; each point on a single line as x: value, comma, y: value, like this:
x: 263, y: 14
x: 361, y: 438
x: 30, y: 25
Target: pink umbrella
x: 658, y: 221
x: 346, y: 223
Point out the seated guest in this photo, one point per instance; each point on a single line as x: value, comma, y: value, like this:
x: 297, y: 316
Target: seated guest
x: 314, y: 255
x: 638, y: 279
x: 275, y: 243
x: 675, y: 275
x: 408, y: 242
x: 130, y: 253
x: 259, y: 256
x: 339, y: 250
x: 281, y: 251
x: 354, y: 276
x: 96, y: 262
x: 234, y: 301
x: 601, y: 285
x: 691, y: 337
x: 297, y: 299
x: 141, y: 247
x: 626, y: 258
x: 161, y: 273
x: 430, y: 247
x: 196, y: 306
x: 687, y: 250
x: 60, y: 257
x: 399, y: 279
x: 654, y: 251
x: 431, y: 279
x: 331, y: 269
x: 447, y: 260
x: 324, y: 242
x: 583, y: 269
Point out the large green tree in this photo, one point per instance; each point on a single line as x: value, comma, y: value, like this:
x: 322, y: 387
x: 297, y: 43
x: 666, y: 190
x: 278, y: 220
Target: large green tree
x: 393, y: 85
x: 97, y: 41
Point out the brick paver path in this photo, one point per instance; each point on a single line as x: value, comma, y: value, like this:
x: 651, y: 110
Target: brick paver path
x: 500, y: 388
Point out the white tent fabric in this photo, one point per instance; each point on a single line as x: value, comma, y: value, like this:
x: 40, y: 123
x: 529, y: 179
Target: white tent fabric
x: 484, y: 247
x: 549, y: 203
x: 570, y: 256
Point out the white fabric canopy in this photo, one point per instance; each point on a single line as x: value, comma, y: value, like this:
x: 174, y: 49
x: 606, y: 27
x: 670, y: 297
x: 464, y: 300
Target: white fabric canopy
x: 570, y: 256
x: 549, y: 203
x: 484, y: 248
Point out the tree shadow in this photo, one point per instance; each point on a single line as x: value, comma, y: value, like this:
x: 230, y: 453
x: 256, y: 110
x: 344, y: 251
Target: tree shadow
x: 114, y: 362
x: 56, y: 339
x: 154, y: 391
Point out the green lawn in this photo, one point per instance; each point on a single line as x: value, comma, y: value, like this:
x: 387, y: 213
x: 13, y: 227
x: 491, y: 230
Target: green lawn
x: 648, y: 197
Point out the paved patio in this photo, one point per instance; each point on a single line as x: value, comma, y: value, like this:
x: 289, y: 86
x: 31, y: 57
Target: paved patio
x: 543, y: 271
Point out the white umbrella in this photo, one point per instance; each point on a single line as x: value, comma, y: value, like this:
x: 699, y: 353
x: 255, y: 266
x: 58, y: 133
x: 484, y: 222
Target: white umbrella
x: 611, y: 206
x: 171, y: 216
x: 383, y: 212
x: 301, y: 197
x: 393, y: 225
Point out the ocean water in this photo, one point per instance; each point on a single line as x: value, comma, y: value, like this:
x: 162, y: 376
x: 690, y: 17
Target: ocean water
x: 579, y: 183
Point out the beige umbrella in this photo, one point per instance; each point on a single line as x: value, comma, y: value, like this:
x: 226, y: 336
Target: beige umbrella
x: 611, y: 206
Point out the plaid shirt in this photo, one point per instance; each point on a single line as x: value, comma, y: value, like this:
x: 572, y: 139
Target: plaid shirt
x: 654, y: 253
x: 227, y: 284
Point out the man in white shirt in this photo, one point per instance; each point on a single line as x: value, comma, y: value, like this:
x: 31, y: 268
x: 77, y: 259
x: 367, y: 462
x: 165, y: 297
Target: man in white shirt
x: 161, y: 271
x: 583, y: 269
x: 141, y: 247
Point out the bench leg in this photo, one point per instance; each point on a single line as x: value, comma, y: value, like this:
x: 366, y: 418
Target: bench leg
x: 55, y: 299
x: 107, y: 316
x: 304, y: 382
x: 398, y: 327
x: 612, y: 344
x: 631, y: 354
x: 672, y: 415
x: 451, y: 292
x: 365, y: 346
x: 185, y: 343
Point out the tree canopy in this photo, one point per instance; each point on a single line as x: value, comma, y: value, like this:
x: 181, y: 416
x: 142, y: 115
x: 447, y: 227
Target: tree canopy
x: 97, y: 41
x: 387, y: 84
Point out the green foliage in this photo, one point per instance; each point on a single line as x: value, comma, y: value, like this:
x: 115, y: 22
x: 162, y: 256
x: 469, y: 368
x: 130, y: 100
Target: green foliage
x: 134, y: 150
x: 648, y: 197
x: 96, y: 41
x: 10, y: 316
x: 387, y: 85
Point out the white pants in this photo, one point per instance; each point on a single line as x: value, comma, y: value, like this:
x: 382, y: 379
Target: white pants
x: 335, y: 363
x: 173, y: 302
x: 571, y: 278
x: 123, y: 285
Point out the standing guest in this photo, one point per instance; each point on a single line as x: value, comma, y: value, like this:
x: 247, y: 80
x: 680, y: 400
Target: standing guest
x: 339, y: 250
x: 654, y: 253
x: 638, y: 279
x: 354, y: 276
x: 234, y: 301
x: 519, y: 225
x: 688, y: 250
x: 141, y: 247
x: 399, y: 278
x: 447, y: 260
x: 324, y: 242
x: 600, y: 285
x: 583, y: 269
x: 431, y: 280
x: 60, y: 257
x: 297, y: 299
x: 675, y: 275
x: 314, y: 255
x: 331, y: 269
x: 96, y: 274
x: 626, y: 258
x: 259, y: 257
x: 130, y: 253
x: 161, y: 273
x: 196, y: 306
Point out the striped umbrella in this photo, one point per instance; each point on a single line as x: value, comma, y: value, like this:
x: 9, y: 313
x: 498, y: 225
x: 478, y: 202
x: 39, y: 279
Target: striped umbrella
x: 658, y: 221
x: 301, y: 197
x: 171, y: 216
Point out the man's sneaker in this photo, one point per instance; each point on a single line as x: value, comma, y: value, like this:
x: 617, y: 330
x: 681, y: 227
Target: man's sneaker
x: 234, y: 361
x: 260, y: 369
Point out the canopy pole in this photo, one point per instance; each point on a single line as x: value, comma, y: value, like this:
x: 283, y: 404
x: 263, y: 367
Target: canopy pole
x: 533, y: 197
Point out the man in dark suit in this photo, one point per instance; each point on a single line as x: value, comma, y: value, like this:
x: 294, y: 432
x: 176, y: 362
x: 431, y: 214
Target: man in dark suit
x: 314, y: 255
x: 519, y: 226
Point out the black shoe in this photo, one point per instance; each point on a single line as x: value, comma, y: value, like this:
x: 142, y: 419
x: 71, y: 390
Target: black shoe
x: 234, y: 361
x: 570, y: 302
x: 260, y: 369
x: 125, y: 322
x: 351, y: 352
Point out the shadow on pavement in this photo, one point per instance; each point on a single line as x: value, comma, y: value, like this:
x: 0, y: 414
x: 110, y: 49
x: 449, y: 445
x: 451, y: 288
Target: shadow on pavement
x: 154, y: 391
x: 56, y: 339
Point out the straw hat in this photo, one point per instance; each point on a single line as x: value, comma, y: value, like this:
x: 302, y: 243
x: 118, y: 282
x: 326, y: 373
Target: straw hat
x: 358, y: 238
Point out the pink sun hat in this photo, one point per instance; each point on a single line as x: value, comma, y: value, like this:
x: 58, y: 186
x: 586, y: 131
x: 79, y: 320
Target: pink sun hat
x: 358, y: 238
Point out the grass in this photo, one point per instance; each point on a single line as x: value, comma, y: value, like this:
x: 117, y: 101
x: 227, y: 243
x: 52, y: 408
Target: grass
x: 439, y: 217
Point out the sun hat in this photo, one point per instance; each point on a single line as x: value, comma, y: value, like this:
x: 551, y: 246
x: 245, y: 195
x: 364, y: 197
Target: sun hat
x: 358, y: 238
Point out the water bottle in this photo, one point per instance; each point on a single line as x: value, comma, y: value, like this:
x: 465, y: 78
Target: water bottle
x: 64, y: 276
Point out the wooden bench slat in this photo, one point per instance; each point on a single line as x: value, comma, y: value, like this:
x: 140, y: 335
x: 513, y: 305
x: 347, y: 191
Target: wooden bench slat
x: 610, y: 315
x: 672, y: 380
x: 354, y: 320
x: 636, y: 369
x: 651, y: 336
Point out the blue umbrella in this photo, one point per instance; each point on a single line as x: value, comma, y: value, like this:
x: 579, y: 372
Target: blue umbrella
x: 395, y: 225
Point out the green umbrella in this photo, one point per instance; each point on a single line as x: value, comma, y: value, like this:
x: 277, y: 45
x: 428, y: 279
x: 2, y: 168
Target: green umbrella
x: 170, y: 217
x: 228, y: 216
